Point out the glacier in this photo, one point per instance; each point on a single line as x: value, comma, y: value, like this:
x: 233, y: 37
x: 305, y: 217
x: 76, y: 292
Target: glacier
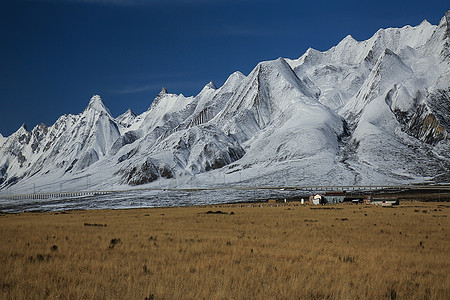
x: 371, y: 112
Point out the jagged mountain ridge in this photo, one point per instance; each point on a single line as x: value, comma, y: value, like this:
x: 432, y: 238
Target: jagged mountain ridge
x: 369, y: 112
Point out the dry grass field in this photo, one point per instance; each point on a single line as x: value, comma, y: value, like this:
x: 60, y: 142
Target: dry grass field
x: 246, y: 252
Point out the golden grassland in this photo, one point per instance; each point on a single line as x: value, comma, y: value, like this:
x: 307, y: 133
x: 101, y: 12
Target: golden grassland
x: 246, y: 252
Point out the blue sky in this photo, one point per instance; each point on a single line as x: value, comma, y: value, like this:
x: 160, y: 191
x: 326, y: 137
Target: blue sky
x: 55, y: 54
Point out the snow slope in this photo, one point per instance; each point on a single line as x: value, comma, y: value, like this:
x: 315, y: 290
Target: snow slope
x: 126, y: 119
x: 362, y: 112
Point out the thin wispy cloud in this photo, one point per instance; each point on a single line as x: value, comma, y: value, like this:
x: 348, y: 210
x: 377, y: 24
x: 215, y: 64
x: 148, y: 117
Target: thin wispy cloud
x: 179, y: 86
x: 146, y: 2
x: 137, y: 89
x: 239, y: 31
x: 106, y: 2
x: 245, y: 32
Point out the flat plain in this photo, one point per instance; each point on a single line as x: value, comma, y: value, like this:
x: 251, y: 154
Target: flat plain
x: 235, y: 251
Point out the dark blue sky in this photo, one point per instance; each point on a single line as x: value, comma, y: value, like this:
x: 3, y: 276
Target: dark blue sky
x: 55, y: 54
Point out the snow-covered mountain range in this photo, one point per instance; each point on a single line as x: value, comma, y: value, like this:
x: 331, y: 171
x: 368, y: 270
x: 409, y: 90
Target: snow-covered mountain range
x: 362, y: 112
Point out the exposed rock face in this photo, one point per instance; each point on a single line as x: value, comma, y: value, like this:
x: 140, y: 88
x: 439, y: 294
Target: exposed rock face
x: 426, y: 127
x: 145, y: 173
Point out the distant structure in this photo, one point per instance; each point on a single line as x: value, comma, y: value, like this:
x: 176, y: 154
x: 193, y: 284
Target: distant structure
x: 317, y: 199
x: 335, y: 197
x: 383, y: 201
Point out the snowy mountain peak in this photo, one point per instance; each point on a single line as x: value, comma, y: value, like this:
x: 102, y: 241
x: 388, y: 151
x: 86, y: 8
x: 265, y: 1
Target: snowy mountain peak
x: 444, y: 26
x: 207, y: 90
x: 128, y: 115
x: 446, y: 22
x: 23, y: 128
x: 127, y: 118
x: 211, y: 85
x: 439, y: 43
x: 363, y: 112
x: 130, y: 112
x: 349, y: 38
x: 425, y: 23
x: 234, y: 78
x: 96, y: 104
x: 96, y: 100
x: 163, y: 92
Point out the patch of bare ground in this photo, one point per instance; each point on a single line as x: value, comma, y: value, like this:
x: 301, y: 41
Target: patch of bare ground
x: 240, y: 251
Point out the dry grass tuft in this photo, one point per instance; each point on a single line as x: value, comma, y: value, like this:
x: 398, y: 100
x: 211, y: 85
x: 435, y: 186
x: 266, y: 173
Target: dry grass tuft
x: 237, y: 252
